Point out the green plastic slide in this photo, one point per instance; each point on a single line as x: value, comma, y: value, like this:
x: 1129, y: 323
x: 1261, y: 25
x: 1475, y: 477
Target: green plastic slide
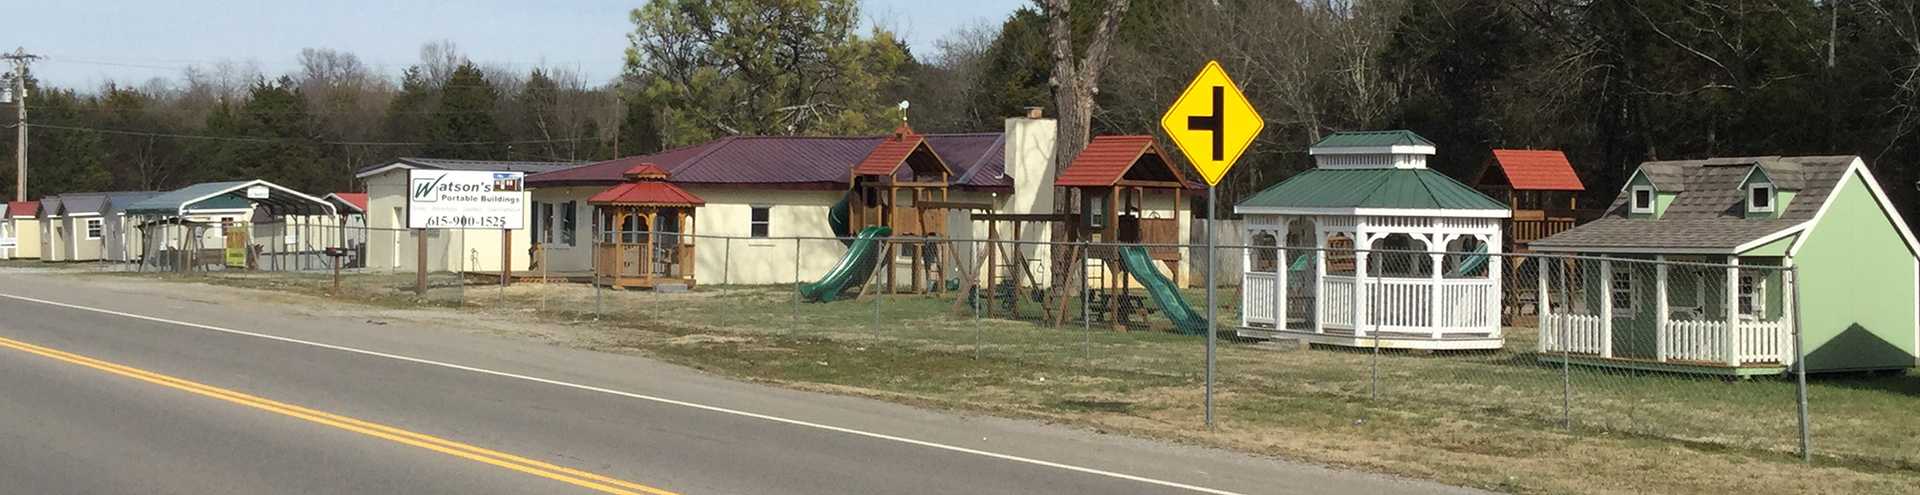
x: 852, y: 271
x: 1164, y: 293
x: 838, y: 221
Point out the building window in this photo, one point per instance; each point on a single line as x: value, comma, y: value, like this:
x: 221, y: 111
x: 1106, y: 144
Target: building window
x: 1753, y: 295
x: 1642, y: 199
x: 1625, y: 299
x: 567, y: 224
x: 761, y: 222
x: 1760, y: 198
x: 94, y: 226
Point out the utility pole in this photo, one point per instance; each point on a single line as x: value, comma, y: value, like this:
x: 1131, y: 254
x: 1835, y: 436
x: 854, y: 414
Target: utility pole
x: 20, y: 59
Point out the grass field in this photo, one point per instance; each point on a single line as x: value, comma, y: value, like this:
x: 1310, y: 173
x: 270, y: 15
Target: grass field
x: 1497, y: 420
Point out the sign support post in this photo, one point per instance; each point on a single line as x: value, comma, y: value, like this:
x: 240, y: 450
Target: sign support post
x: 1213, y: 123
x: 506, y: 257
x: 420, y: 263
x: 1211, y: 307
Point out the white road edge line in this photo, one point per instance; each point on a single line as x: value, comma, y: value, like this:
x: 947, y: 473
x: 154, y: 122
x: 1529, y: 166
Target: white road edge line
x: 663, y: 400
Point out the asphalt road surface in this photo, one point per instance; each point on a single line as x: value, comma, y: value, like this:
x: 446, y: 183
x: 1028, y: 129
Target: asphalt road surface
x: 134, y: 390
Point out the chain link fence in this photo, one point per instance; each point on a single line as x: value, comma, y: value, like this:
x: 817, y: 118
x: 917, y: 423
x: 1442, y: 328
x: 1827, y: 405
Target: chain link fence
x: 1465, y: 349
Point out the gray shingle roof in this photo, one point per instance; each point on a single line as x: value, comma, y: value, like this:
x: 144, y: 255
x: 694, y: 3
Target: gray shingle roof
x: 83, y: 203
x: 1707, y: 213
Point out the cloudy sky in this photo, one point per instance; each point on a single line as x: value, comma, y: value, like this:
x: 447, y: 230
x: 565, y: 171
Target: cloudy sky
x: 90, y: 42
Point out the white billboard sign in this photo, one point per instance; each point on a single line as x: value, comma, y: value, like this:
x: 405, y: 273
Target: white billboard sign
x: 462, y: 199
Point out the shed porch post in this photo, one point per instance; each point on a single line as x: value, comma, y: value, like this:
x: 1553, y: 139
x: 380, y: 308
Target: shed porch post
x: 1660, y: 309
x: 1731, y: 304
x: 1545, y: 308
x: 1606, y: 308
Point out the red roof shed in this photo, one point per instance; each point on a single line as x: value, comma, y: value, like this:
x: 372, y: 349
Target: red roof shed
x: 1531, y: 170
x: 1109, y: 159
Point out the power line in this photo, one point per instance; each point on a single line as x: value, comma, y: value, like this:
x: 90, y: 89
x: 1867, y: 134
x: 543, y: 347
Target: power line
x: 297, y: 140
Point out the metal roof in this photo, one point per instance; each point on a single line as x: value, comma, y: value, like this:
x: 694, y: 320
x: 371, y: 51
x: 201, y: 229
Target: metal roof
x: 788, y: 161
x: 898, y: 149
x: 1409, y: 189
x: 83, y: 203
x: 207, y: 195
x: 1370, y: 139
x: 1708, y: 209
x: 1533, y: 170
x: 1108, y: 159
x: 17, y: 209
x: 454, y: 164
x: 119, y: 201
x: 349, y: 201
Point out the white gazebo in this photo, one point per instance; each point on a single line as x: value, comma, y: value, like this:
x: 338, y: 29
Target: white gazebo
x: 1370, y: 248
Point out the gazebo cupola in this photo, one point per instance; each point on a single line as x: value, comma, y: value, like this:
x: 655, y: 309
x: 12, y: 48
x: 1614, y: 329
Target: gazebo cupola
x: 1372, y: 150
x: 1371, y: 247
x: 647, y: 222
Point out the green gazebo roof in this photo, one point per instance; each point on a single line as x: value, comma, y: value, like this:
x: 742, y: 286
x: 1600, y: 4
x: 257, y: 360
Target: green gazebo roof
x: 1415, y: 189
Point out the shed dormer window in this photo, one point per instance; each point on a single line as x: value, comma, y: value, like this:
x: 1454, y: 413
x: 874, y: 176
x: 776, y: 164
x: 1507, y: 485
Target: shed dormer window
x: 1642, y: 199
x: 1760, y: 198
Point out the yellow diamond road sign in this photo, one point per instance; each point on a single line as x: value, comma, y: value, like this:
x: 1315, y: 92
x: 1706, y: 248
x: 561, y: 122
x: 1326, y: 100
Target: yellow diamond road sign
x: 1212, y: 122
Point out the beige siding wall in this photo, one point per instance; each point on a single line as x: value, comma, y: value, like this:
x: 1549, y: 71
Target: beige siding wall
x: 83, y: 248
x: 26, y: 232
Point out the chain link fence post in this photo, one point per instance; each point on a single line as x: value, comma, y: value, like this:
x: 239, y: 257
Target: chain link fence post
x: 1800, y: 369
x: 1086, y: 302
x: 1565, y: 348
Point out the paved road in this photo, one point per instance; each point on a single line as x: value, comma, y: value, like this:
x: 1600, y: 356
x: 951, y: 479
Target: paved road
x: 179, y: 395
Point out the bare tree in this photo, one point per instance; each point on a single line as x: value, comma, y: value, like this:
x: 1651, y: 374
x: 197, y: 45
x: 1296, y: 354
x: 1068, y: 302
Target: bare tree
x: 1076, y: 79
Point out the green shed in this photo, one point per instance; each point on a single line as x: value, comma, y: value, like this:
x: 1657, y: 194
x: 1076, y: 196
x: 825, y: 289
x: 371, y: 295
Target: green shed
x: 1701, y: 282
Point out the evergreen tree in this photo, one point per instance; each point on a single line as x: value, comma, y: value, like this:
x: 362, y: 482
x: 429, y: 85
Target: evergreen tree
x: 464, y: 117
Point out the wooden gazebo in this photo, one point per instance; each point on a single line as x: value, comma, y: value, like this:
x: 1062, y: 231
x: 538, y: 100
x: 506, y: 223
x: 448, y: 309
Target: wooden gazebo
x: 646, y: 240
x: 902, y: 185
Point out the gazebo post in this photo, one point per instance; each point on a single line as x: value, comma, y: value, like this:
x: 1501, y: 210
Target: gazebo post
x: 1319, y: 276
x: 1496, y: 273
x: 1280, y: 268
x: 1362, y: 244
x: 1436, y: 247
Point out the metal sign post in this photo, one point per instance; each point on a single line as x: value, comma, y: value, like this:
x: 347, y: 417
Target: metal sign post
x: 1213, y: 123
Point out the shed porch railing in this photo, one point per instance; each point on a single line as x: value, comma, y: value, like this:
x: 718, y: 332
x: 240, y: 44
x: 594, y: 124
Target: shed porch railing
x: 1697, y: 341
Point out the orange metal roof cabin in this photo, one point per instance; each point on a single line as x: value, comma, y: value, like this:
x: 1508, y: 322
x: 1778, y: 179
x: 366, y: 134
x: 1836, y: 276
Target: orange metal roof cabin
x: 1542, y: 189
x: 649, y: 222
x: 904, y: 162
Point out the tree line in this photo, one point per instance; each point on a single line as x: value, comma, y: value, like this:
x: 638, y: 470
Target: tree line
x: 1612, y: 83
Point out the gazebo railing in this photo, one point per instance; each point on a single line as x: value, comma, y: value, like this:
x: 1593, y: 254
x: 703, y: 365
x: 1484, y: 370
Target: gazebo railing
x: 1409, y: 305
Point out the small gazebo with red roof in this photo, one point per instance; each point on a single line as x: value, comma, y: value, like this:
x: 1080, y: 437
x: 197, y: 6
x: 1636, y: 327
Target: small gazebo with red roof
x: 1123, y: 171
x: 902, y: 163
x: 1129, y: 192
x: 896, y: 186
x: 649, y: 223
x: 1541, y: 188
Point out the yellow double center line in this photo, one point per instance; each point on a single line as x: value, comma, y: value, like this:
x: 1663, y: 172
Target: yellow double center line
x: 501, y: 459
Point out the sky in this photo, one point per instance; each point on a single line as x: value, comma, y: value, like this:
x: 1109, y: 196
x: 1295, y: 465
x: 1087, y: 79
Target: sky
x: 90, y: 42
